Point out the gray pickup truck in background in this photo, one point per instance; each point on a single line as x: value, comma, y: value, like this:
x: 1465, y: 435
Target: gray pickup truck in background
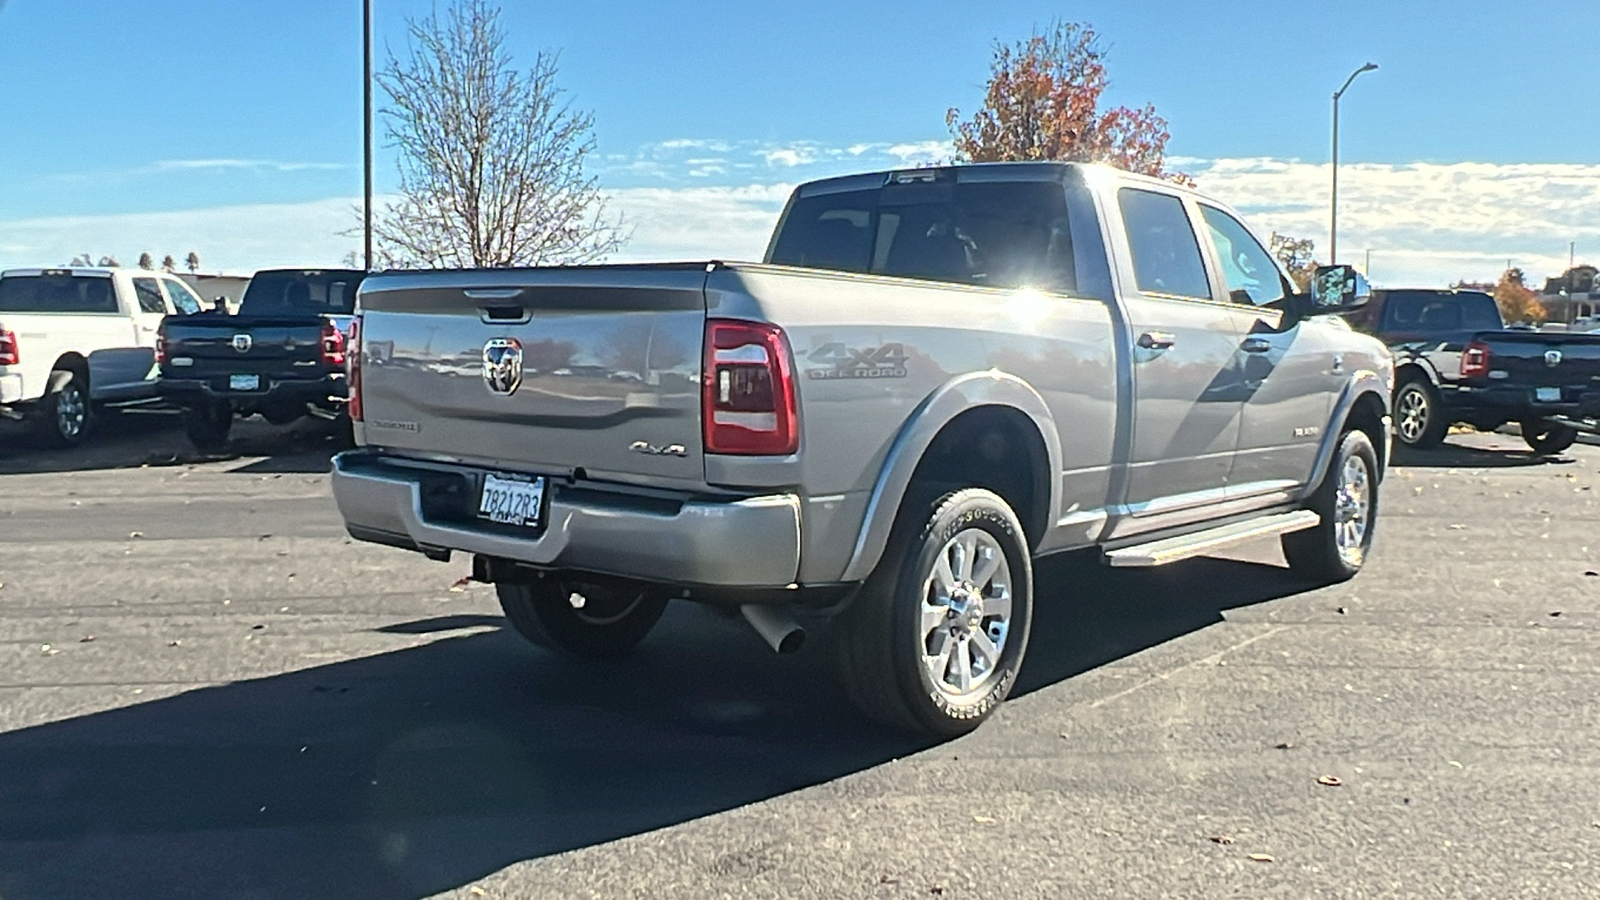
x: 934, y: 377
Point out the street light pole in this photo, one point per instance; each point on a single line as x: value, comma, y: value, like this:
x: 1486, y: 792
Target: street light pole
x: 366, y: 127
x: 1333, y: 221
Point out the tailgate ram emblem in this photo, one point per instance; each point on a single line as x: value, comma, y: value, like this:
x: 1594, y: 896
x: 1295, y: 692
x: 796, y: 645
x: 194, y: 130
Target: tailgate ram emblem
x: 242, y: 343
x: 502, y: 365
x: 1552, y: 358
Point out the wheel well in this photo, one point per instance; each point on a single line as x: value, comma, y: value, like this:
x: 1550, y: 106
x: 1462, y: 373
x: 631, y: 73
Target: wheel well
x: 994, y: 447
x: 1412, y: 372
x: 72, y: 362
x: 1366, y: 415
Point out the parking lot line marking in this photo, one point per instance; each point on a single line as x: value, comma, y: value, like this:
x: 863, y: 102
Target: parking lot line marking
x: 1163, y: 676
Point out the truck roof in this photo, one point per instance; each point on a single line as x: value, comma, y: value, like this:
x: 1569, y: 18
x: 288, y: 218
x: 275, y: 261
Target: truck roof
x: 1047, y: 170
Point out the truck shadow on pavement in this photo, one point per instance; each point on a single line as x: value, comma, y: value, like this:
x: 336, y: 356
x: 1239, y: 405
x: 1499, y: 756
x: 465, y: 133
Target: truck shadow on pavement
x: 1504, y: 453
x: 422, y: 769
x: 130, y: 439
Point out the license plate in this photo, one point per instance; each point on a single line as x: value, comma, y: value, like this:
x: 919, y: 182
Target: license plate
x: 244, y: 382
x: 509, y: 500
x: 1547, y: 394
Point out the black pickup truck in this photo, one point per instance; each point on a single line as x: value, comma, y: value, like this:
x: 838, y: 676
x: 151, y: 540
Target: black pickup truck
x: 1456, y: 362
x: 282, y: 355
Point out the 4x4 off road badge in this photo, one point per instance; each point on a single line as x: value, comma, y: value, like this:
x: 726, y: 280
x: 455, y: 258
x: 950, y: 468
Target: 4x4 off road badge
x: 502, y: 365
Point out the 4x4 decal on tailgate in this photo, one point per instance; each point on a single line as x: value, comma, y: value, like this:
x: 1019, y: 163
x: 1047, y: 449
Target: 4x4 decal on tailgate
x: 839, y: 361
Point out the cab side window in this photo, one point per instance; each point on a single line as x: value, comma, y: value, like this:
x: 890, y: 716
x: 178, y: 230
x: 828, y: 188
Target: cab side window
x: 1249, y: 270
x: 1166, y: 256
x: 149, y: 295
x: 183, y: 299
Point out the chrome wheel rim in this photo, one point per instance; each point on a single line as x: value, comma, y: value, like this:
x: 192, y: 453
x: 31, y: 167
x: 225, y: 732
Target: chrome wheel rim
x: 1412, y: 415
x: 966, y: 614
x: 70, y: 412
x: 1352, y: 510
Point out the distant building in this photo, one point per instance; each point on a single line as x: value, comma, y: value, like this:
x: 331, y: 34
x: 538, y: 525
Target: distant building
x: 229, y: 287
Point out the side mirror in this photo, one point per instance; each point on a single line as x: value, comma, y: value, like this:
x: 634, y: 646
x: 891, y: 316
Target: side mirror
x: 1337, y: 289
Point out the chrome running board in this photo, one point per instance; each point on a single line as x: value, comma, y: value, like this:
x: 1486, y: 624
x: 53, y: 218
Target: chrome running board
x: 1159, y: 553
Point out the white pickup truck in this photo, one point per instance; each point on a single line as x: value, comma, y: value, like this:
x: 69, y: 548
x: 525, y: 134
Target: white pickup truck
x: 73, y: 341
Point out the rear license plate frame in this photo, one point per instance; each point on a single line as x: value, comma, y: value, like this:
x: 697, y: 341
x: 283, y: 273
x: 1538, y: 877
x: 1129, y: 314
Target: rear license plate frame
x: 517, y: 500
x: 243, y: 382
x: 1547, y: 395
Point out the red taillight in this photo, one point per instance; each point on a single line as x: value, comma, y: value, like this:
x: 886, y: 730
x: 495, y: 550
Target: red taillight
x: 1475, y: 360
x: 333, y: 343
x: 10, y: 355
x: 353, y: 369
x: 748, y: 397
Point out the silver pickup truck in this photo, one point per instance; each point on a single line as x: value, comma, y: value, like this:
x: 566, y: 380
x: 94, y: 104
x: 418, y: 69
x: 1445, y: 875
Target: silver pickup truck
x: 933, y: 377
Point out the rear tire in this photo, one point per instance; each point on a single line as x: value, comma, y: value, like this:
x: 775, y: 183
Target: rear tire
x: 1419, y: 417
x: 68, y: 416
x: 1337, y: 548
x: 934, y: 642
x: 1545, y: 436
x: 611, y: 621
x: 208, y: 425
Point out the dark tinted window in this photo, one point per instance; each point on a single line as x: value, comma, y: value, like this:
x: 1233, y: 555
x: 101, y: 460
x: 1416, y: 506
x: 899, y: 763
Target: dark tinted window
x: 299, y: 293
x: 183, y: 299
x: 1441, y: 311
x: 1002, y: 234
x: 57, y: 293
x: 148, y: 293
x: 1166, y: 257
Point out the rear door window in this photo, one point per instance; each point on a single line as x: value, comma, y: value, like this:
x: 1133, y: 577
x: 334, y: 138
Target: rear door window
x: 300, y: 293
x: 57, y: 293
x: 148, y: 293
x: 1166, y: 256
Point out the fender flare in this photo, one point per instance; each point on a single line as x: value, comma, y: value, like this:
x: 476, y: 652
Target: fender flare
x: 1360, y: 384
x: 957, y: 396
x: 58, y: 379
x: 1415, y: 360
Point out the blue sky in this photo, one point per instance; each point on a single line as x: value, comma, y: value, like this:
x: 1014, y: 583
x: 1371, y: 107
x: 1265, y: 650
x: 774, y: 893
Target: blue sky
x: 183, y: 110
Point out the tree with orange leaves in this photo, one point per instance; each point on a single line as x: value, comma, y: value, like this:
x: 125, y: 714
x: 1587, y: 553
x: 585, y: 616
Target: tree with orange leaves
x: 1043, y: 103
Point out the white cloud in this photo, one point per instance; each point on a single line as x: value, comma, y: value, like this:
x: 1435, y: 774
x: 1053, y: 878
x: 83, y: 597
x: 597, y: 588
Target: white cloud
x: 920, y: 152
x: 729, y: 223
x: 790, y: 156
x: 1425, y: 223
x: 183, y: 165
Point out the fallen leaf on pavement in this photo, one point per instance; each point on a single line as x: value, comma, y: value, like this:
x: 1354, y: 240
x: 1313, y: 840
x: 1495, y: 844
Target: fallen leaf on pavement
x: 1340, y: 610
x: 1456, y: 764
x: 937, y: 890
x: 135, y: 534
x: 460, y: 584
x: 1286, y: 745
x: 86, y: 639
x: 477, y: 891
x: 1457, y: 527
x: 1220, y: 839
x: 1262, y: 857
x: 987, y: 820
x: 174, y: 643
x: 1591, y: 573
x: 1556, y: 614
x: 888, y: 879
x: 1330, y: 781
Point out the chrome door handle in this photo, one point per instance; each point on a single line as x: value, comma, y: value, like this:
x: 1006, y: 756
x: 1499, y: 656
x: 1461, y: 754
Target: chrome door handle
x: 1156, y: 340
x: 1256, y: 345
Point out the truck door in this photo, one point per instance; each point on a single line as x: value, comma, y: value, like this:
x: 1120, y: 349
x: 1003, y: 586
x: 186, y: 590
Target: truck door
x: 1186, y: 379
x: 1290, y: 376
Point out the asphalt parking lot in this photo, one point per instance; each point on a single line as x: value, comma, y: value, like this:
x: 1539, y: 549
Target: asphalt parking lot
x: 208, y: 691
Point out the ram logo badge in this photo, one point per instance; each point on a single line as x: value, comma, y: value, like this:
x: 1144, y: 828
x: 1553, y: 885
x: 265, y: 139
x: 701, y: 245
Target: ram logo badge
x: 242, y: 342
x: 502, y: 365
x: 1552, y: 358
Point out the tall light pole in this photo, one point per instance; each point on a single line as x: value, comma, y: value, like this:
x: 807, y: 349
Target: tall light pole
x: 1333, y: 221
x: 366, y: 127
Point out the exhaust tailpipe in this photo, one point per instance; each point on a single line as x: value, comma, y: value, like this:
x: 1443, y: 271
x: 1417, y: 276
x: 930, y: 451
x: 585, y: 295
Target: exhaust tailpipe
x: 779, y: 629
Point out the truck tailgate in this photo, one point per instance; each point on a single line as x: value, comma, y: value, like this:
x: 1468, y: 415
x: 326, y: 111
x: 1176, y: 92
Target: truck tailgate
x: 1545, y: 359
x: 542, y: 371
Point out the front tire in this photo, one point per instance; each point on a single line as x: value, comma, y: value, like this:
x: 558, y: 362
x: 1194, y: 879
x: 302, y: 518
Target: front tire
x: 590, y: 620
x: 207, y: 426
x: 935, y: 640
x: 68, y: 417
x: 1419, y: 419
x: 1347, y: 500
x: 1545, y: 436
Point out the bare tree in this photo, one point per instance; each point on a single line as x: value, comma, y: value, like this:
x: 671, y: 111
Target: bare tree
x: 109, y: 261
x: 168, y: 263
x: 491, y: 159
x: 192, y: 262
x: 146, y: 261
